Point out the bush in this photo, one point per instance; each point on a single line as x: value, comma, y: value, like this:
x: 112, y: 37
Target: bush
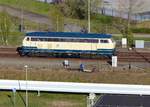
x: 141, y: 30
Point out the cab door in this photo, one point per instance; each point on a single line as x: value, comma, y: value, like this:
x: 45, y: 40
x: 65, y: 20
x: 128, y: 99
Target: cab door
x: 104, y: 44
x: 94, y: 45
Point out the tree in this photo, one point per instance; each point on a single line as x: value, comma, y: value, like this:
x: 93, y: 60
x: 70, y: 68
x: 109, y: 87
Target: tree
x: 5, y: 25
x: 127, y: 8
x: 57, y: 20
x: 96, y: 5
x: 79, y: 8
x: 75, y: 8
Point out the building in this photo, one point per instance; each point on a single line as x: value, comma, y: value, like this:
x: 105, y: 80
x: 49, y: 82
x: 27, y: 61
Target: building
x: 119, y: 8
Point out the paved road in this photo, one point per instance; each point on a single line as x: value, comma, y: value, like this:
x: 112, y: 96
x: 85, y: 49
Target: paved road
x: 123, y: 101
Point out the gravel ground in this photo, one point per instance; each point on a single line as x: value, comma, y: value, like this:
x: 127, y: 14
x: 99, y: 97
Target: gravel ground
x: 53, y: 63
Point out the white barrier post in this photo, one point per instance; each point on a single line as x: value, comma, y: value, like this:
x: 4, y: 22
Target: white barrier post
x: 14, y: 94
x: 90, y: 101
x: 124, y: 42
x: 26, y: 69
x: 114, y: 61
x: 139, y: 43
x: 38, y: 93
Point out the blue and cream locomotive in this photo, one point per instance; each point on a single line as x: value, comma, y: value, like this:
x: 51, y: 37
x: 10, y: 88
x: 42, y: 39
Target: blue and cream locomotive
x: 66, y: 43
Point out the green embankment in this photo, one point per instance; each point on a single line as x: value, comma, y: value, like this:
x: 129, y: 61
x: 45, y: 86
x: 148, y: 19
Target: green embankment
x: 15, y: 37
x: 39, y: 8
x: 44, y: 9
x: 29, y: 5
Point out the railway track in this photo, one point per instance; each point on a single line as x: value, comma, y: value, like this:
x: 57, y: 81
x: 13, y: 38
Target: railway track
x: 134, y: 56
x: 8, y: 52
x: 123, y: 56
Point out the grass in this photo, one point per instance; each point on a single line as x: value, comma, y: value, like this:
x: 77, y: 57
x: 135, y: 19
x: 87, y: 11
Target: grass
x: 49, y: 74
x: 38, y: 7
x: 145, y: 24
x: 15, y: 37
x: 119, y: 37
x: 29, y: 5
x: 44, y: 100
x: 44, y: 8
x: 142, y: 38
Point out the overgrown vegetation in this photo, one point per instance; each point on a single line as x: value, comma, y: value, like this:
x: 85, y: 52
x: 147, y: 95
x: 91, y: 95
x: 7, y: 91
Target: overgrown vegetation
x: 74, y: 8
x: 78, y: 8
x: 57, y: 20
x: 143, y: 24
x: 5, y: 25
x: 9, y: 29
x: 141, y: 30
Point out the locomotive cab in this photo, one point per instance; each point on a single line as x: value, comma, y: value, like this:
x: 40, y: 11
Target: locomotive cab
x: 26, y: 41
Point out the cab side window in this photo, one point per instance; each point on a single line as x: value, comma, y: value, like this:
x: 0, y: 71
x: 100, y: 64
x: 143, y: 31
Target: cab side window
x: 104, y: 41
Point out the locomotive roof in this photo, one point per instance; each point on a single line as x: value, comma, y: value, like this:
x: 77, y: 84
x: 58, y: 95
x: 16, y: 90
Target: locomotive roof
x: 68, y: 34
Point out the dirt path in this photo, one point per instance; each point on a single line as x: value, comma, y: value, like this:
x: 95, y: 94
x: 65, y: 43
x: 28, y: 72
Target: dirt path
x: 37, y: 18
